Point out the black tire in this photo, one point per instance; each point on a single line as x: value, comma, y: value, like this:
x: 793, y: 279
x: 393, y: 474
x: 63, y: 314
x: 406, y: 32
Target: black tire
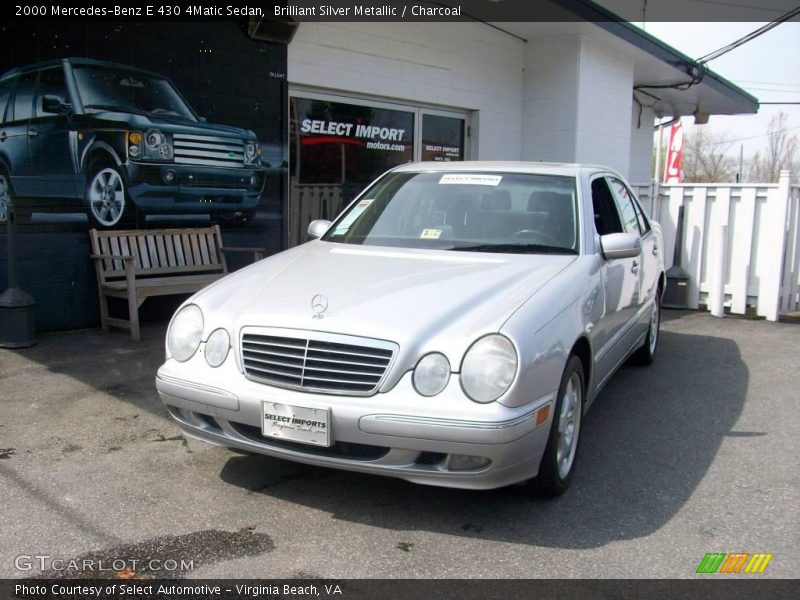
x: 647, y: 353
x: 553, y: 479
x: 107, y: 202
x: 6, y: 195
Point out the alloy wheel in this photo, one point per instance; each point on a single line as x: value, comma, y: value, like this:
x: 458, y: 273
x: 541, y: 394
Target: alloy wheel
x: 569, y: 425
x: 654, y: 323
x: 107, y: 197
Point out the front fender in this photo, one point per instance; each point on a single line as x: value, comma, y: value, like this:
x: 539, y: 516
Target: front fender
x: 546, y: 328
x: 94, y: 147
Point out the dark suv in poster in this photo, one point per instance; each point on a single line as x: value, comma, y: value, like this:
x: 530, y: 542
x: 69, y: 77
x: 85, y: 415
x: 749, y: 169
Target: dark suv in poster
x: 117, y: 140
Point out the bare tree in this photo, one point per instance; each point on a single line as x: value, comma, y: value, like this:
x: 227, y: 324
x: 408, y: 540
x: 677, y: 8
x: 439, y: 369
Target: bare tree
x: 781, y: 153
x: 705, y: 157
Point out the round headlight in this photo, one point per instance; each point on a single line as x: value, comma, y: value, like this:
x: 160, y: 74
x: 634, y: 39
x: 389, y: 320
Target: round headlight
x: 488, y: 368
x: 217, y: 346
x: 165, y: 151
x: 185, y: 333
x: 153, y: 139
x: 431, y: 374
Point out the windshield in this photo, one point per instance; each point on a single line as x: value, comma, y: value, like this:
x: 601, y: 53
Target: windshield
x: 479, y: 212
x: 109, y: 88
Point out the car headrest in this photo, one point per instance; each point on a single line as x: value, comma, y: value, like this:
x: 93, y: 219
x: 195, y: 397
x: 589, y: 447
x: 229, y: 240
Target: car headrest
x: 549, y: 202
x: 497, y: 200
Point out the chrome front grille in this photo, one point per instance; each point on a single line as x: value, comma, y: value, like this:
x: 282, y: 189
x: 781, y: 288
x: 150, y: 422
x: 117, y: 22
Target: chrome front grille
x: 208, y: 150
x: 315, y: 361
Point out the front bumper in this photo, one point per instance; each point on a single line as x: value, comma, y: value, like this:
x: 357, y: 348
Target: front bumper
x: 397, y: 433
x: 192, y: 188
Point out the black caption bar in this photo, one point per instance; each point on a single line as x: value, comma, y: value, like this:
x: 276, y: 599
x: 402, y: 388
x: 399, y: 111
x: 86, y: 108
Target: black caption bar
x: 411, y: 589
x: 406, y: 10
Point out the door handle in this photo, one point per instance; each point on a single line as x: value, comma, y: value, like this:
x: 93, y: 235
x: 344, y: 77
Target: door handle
x: 32, y: 133
x: 3, y: 136
x: 655, y: 250
x: 635, y: 267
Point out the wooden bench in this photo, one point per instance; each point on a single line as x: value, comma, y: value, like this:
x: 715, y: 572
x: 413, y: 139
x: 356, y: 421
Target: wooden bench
x: 138, y: 264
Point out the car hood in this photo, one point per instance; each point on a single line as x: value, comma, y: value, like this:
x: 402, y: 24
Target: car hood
x: 423, y: 300
x: 169, y: 123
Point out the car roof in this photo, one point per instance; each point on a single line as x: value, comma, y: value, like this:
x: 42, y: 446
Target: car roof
x: 491, y: 166
x: 74, y: 61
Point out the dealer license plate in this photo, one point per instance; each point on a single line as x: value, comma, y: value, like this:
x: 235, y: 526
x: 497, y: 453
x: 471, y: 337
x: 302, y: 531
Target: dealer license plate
x: 296, y: 423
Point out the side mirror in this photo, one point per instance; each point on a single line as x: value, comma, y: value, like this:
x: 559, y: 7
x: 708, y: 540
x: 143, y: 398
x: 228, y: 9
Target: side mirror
x: 621, y: 245
x: 55, y: 105
x: 317, y: 228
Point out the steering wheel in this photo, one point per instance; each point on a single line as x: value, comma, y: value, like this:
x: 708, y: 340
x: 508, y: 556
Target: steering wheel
x: 536, y: 237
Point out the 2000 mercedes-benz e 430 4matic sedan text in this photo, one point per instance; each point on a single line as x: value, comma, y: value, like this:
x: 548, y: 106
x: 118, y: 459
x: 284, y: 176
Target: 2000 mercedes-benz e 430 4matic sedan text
x: 450, y: 327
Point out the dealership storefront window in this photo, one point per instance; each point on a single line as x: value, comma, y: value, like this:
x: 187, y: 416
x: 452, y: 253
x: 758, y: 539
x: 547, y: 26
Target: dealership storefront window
x: 339, y: 144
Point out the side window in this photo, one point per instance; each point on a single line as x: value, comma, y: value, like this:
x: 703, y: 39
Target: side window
x: 23, y: 97
x: 630, y: 220
x: 644, y: 224
x: 5, y: 94
x: 606, y: 218
x: 51, y: 83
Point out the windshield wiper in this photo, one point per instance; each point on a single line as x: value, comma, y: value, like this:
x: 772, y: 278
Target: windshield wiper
x: 516, y: 248
x: 119, y: 107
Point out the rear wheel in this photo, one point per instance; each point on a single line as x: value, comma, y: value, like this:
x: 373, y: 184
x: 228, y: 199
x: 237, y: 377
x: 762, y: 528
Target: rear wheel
x: 558, y: 462
x: 106, y: 198
x: 647, y: 353
x: 5, y: 195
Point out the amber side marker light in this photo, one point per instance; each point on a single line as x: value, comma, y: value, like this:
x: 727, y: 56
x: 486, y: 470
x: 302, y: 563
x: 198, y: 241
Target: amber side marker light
x: 542, y: 414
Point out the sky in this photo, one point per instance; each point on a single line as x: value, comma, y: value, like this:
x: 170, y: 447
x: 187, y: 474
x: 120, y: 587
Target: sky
x: 767, y: 67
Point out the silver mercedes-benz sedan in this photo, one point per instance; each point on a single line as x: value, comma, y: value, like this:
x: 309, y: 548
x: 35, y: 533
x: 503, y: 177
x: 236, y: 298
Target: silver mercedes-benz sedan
x: 451, y: 327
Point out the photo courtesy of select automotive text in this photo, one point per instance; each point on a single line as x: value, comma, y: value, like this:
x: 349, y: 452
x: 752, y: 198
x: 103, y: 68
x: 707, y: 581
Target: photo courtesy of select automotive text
x: 130, y: 126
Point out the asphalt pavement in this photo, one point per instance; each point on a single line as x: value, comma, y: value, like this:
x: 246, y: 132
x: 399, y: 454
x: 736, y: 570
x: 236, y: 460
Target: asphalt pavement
x: 697, y: 453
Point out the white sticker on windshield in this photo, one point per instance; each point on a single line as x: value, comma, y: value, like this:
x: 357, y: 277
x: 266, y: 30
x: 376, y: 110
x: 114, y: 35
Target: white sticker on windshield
x: 430, y: 234
x: 359, y: 208
x: 470, y: 179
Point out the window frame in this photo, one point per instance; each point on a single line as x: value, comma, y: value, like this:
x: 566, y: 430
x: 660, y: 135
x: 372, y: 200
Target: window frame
x: 38, y: 94
x: 12, y: 104
x: 618, y: 200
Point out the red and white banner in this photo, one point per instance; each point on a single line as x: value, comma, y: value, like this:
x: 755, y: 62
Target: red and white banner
x: 672, y: 166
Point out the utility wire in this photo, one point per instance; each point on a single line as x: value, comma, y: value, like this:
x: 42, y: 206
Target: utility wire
x: 749, y: 37
x: 752, y: 137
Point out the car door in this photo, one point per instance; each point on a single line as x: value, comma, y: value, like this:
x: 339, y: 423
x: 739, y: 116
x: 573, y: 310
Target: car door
x: 644, y: 265
x: 14, y: 133
x: 621, y: 285
x: 52, y: 166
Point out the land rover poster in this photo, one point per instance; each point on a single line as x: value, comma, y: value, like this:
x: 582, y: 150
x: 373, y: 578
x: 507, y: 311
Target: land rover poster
x: 135, y: 125
x: 138, y: 123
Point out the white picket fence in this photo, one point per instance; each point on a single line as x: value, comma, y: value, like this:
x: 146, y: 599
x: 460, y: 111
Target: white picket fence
x: 741, y: 242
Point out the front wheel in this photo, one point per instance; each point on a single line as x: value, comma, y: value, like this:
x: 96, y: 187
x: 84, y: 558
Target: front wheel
x: 106, y: 199
x: 558, y: 461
